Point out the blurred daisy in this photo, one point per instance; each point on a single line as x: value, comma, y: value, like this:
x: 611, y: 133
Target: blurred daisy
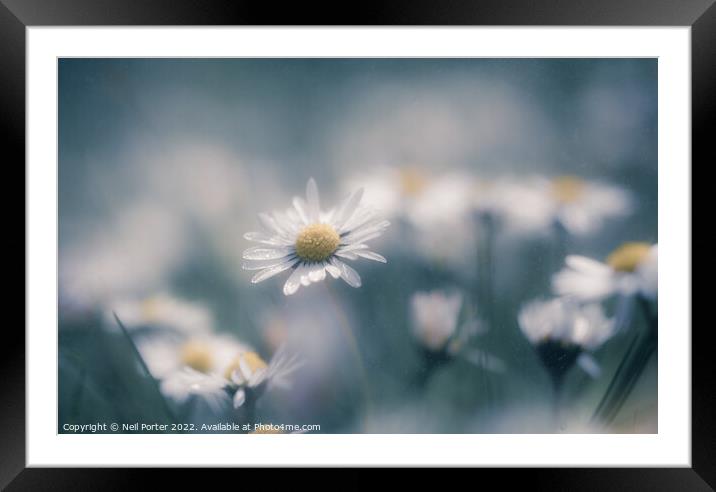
x: 392, y: 190
x: 181, y: 385
x: 192, y: 366
x: 435, y: 325
x: 563, y: 332
x: 432, y: 206
x: 581, y: 206
x: 434, y: 318
x: 252, y: 375
x: 535, y: 204
x: 421, y: 198
x: 631, y: 269
x: 205, y: 353
x: 310, y: 242
x: 160, y: 311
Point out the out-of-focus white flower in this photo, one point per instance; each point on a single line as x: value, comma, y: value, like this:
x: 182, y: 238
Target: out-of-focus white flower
x: 160, y: 311
x: 581, y: 206
x: 434, y: 317
x: 535, y: 204
x: 423, y: 199
x: 435, y: 322
x: 563, y: 331
x: 632, y: 269
x: 203, y: 364
x: 205, y: 352
x: 181, y: 385
x: 565, y: 322
x: 248, y: 371
x: 194, y: 365
x: 311, y: 242
x: 520, y: 205
x: 435, y: 206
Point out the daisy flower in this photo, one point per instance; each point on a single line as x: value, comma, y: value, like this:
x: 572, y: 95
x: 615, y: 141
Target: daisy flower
x: 310, y: 242
x: 631, y: 269
x: 392, y: 189
x: 160, y: 311
x: 581, y: 206
x: 435, y: 325
x: 535, y: 204
x: 213, y: 367
x: 434, y: 317
x: 562, y: 333
x: 430, y: 206
x: 251, y: 375
x: 204, y: 353
x: 187, y: 366
x: 181, y: 385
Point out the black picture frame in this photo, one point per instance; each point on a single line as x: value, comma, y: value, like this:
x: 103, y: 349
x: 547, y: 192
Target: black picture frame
x: 16, y: 15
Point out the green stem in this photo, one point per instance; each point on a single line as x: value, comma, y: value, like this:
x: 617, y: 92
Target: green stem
x: 640, y: 350
x: 145, y: 369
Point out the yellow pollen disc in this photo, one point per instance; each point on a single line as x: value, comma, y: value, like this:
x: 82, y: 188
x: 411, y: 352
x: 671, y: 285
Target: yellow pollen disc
x: 197, y: 355
x: 412, y: 182
x: 567, y: 189
x: 628, y: 256
x: 251, y: 359
x: 317, y: 242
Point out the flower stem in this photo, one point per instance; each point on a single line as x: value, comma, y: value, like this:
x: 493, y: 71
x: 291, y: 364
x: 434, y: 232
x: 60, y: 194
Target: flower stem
x: 145, y: 369
x: 487, y: 268
x: 640, y: 350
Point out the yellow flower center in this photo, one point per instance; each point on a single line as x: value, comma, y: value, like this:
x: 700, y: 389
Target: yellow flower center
x: 197, y: 355
x: 317, y: 242
x: 412, y: 182
x: 251, y: 359
x: 567, y: 189
x: 628, y: 256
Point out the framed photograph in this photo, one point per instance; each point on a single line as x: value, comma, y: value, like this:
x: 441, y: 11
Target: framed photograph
x: 436, y: 239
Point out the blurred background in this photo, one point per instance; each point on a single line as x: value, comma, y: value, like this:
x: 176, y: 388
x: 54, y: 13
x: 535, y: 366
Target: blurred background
x: 164, y: 165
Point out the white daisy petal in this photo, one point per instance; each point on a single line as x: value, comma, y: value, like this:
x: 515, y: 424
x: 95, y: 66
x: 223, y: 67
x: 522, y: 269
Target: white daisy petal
x: 269, y: 223
x: 301, y: 208
x: 366, y: 234
x: 286, y: 223
x: 353, y: 247
x: 258, y: 377
x: 589, y: 365
x: 347, y: 208
x: 237, y: 377
x: 239, y: 398
x: 360, y: 239
x: 317, y: 273
x: 271, y: 271
x: 261, y: 264
x: 305, y: 281
x: 346, y: 254
x: 586, y: 265
x: 293, y: 282
x: 333, y: 270
x: 347, y: 273
x: 260, y: 237
x: 261, y: 253
x: 370, y: 255
x: 314, y: 206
